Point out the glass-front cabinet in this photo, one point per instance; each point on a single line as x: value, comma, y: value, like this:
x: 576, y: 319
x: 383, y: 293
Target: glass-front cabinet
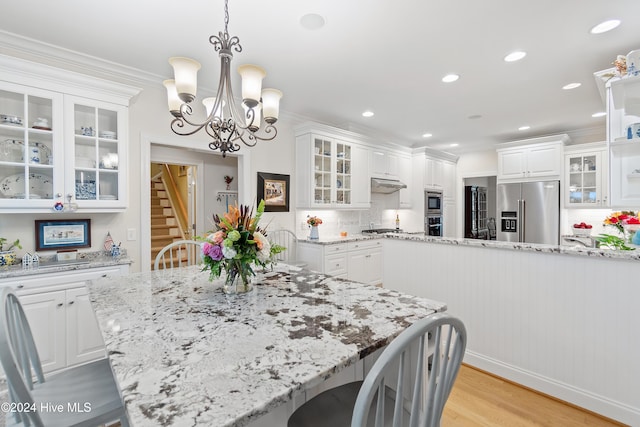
x: 30, y: 144
x: 586, y: 177
x: 96, y: 178
x: 332, y: 172
x: 59, y: 153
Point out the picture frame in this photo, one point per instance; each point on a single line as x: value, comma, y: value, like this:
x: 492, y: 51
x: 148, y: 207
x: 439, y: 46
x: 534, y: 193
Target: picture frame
x: 275, y: 190
x: 62, y: 234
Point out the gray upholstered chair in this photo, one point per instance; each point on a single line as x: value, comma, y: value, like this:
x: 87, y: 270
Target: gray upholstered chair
x: 420, y: 365
x: 90, y: 389
x: 181, y: 253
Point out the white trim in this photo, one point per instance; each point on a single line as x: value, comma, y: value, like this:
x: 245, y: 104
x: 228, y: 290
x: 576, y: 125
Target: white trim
x: 566, y: 392
x: 244, y: 183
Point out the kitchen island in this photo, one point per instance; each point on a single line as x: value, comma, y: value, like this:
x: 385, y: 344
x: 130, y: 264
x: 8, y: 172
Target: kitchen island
x: 186, y: 354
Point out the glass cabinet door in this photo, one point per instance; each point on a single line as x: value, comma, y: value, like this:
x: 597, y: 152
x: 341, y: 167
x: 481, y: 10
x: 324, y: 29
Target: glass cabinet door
x: 583, y: 179
x: 322, y: 154
x: 96, y: 153
x: 343, y: 174
x: 27, y: 148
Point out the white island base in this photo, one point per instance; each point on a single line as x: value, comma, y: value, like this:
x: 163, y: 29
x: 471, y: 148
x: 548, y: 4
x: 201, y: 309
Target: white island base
x: 566, y: 325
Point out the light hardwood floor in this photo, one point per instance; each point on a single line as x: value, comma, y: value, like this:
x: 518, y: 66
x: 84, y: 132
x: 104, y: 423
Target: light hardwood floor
x: 481, y: 399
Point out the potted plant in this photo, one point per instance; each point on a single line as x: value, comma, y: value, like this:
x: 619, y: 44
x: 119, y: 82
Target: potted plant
x: 8, y: 255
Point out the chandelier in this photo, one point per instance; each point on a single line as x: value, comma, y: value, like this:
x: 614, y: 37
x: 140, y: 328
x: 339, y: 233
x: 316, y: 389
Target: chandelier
x: 225, y: 123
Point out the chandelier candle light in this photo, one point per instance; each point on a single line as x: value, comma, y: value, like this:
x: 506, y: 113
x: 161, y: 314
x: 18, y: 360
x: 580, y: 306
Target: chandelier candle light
x: 225, y: 122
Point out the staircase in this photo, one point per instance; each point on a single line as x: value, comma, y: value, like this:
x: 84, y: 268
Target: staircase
x: 164, y: 225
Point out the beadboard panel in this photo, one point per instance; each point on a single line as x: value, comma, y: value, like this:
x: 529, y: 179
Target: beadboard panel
x: 565, y: 325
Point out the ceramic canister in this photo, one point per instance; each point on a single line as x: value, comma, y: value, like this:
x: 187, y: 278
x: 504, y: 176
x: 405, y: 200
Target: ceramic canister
x: 633, y: 131
x: 633, y: 63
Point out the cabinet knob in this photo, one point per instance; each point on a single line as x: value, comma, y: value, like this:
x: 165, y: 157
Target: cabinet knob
x: 104, y: 275
x: 71, y: 302
x: 60, y: 305
x: 20, y: 286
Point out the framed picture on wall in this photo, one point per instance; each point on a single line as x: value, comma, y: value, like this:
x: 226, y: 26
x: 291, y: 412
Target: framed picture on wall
x: 274, y: 189
x: 63, y: 234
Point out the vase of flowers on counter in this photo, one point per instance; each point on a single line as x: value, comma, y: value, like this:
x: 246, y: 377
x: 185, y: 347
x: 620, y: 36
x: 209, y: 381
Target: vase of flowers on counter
x: 626, y: 222
x: 237, y: 246
x: 314, y: 222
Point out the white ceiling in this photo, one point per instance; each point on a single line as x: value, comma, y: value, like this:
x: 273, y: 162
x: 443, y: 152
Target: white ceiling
x: 383, y: 55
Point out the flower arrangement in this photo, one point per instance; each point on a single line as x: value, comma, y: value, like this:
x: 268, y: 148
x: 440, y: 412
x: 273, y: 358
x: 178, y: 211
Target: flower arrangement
x: 618, y: 219
x: 237, y: 244
x: 314, y: 221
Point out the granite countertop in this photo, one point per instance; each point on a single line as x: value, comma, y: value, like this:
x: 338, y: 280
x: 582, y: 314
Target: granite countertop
x: 48, y: 265
x: 184, y: 353
x: 578, y: 250
x: 524, y: 247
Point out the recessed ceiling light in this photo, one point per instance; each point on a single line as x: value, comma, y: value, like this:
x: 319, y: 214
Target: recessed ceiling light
x: 571, y: 86
x: 427, y: 135
x: 453, y: 144
x: 524, y: 128
x: 367, y: 114
x: 450, y: 78
x: 515, y: 56
x: 312, y: 21
x: 599, y: 114
x: 605, y: 26
x: 474, y: 117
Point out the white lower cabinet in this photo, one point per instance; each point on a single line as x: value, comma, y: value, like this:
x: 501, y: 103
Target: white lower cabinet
x: 60, y: 315
x: 364, y: 262
x: 359, y: 261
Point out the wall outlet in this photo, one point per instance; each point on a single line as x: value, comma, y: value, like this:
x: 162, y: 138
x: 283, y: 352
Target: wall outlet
x: 131, y: 234
x: 303, y: 225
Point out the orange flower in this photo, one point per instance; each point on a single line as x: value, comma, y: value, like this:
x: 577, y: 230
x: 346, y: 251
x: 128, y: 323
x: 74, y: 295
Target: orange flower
x: 232, y: 217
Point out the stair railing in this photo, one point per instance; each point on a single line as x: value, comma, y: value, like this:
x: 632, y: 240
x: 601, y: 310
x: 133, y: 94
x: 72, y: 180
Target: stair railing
x: 176, y: 201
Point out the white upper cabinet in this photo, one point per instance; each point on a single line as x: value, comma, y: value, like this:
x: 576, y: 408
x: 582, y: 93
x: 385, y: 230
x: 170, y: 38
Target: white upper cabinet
x: 532, y: 159
x: 586, y: 176
x: 63, y: 141
x: 405, y: 176
x: 331, y: 173
x: 384, y: 164
x: 623, y: 110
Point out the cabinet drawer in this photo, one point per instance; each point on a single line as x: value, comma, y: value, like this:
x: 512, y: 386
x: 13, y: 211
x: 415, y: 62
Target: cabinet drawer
x: 335, y: 264
x: 35, y: 283
x: 335, y: 249
x: 364, y: 244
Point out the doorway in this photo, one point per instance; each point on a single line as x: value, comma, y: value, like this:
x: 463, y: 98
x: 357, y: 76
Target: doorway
x: 173, y: 204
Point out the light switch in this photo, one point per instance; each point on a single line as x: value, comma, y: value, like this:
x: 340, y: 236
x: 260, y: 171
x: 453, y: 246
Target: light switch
x: 131, y: 234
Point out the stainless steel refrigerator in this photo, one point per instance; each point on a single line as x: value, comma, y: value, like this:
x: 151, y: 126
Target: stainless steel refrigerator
x: 529, y: 212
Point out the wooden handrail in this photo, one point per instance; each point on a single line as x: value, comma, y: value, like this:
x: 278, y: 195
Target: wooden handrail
x: 182, y: 211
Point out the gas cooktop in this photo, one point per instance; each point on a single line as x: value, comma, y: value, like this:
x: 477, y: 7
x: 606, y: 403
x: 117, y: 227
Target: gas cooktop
x: 381, y: 230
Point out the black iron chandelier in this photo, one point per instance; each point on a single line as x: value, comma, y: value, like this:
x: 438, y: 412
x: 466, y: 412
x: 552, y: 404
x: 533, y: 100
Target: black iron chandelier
x: 225, y: 123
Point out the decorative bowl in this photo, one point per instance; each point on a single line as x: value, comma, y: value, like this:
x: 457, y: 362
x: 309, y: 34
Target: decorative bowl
x: 7, y: 119
x: 581, y: 232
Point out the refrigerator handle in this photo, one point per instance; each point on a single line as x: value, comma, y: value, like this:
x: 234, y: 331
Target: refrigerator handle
x: 523, y: 209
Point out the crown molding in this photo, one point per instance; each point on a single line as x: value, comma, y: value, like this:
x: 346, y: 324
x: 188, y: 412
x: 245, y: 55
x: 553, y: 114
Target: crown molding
x: 44, y: 53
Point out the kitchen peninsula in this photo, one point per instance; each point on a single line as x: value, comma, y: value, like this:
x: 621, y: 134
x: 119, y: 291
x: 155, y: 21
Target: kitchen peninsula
x: 183, y: 352
x: 561, y: 320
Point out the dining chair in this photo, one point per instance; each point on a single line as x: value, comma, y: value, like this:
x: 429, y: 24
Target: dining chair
x: 289, y: 240
x: 181, y: 253
x: 408, y: 385
x: 85, y: 395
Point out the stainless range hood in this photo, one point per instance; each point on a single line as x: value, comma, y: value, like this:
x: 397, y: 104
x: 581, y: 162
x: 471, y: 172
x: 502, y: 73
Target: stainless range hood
x: 386, y: 186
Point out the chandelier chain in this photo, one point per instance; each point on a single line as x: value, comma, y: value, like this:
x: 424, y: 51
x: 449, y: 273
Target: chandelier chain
x: 226, y: 16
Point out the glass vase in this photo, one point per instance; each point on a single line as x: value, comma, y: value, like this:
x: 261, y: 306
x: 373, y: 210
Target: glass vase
x: 237, y: 282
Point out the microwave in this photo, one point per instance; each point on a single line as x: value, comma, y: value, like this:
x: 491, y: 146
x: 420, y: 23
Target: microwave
x: 433, y: 202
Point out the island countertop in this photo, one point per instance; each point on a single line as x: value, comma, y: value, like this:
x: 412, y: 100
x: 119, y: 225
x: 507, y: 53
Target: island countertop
x: 185, y: 353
